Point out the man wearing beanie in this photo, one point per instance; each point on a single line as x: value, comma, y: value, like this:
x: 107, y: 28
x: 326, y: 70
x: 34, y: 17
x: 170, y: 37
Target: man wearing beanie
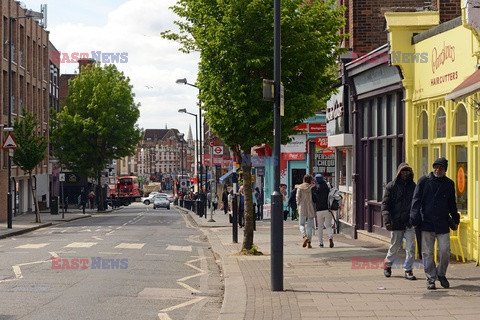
x: 396, y: 203
x: 433, y: 205
x: 324, y: 217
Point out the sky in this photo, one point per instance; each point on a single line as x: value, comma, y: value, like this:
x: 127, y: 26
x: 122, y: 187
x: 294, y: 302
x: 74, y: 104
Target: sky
x: 130, y: 28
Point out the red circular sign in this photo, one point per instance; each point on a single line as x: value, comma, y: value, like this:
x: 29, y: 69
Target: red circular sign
x: 217, y: 150
x: 211, y: 143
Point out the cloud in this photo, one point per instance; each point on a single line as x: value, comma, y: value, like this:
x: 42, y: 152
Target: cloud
x: 131, y: 27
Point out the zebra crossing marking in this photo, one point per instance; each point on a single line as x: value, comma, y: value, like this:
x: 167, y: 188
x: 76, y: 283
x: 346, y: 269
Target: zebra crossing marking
x: 130, y: 246
x: 80, y: 244
x: 32, y: 246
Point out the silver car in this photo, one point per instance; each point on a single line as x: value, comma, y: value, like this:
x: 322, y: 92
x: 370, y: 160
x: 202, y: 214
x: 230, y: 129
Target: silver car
x: 161, y: 201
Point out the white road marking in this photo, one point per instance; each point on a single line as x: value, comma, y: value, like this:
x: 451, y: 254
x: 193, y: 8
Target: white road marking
x: 18, y: 272
x: 156, y: 254
x: 181, y: 305
x: 32, y: 246
x: 130, y: 246
x: 97, y: 238
x: 81, y: 245
x: 180, y: 248
x: 186, y: 286
x: 110, y: 253
x: 53, y: 254
x: 163, y: 316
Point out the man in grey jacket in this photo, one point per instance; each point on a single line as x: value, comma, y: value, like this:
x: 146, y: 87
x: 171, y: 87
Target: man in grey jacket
x: 433, y: 205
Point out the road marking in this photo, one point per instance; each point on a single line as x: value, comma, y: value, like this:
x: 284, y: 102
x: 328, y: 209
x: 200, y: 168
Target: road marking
x: 156, y: 254
x: 181, y: 305
x: 186, y: 286
x: 53, y: 254
x: 32, y: 246
x: 130, y: 246
x: 179, y: 248
x: 164, y: 316
x: 17, y: 271
x: 97, y: 238
x: 110, y: 253
x: 81, y: 245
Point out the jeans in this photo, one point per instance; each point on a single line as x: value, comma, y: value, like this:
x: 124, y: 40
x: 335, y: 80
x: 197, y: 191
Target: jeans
x: 324, y: 217
x: 432, y: 271
x: 396, y: 241
x: 301, y: 224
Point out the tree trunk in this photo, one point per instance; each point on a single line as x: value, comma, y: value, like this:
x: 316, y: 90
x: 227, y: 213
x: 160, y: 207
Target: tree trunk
x: 248, y: 203
x: 35, y: 200
x: 101, y: 200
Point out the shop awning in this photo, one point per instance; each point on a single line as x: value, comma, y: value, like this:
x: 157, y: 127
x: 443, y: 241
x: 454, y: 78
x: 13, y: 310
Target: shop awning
x: 466, y: 88
x: 225, y: 176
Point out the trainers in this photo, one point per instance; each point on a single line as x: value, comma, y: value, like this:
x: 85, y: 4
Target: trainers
x: 444, y: 282
x: 321, y: 245
x: 431, y: 285
x: 331, y: 243
x: 387, y: 272
x: 309, y: 245
x: 305, y: 240
x: 409, y: 275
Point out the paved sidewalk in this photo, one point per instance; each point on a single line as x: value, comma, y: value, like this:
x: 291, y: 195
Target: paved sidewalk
x: 331, y: 283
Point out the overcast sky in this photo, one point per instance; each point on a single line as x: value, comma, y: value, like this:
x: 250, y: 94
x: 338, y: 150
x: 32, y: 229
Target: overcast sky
x: 132, y: 27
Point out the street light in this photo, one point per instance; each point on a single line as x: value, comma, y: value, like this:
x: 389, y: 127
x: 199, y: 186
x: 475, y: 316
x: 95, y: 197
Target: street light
x: 184, y: 81
x: 181, y: 159
x: 28, y: 14
x: 184, y: 110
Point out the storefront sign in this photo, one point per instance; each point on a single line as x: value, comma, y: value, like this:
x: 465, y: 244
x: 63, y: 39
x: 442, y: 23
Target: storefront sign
x: 324, y: 164
x: 293, y: 156
x: 298, y: 144
x: 317, y: 127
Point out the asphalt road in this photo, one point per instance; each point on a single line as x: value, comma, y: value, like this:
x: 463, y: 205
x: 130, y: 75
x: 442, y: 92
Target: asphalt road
x: 134, y: 263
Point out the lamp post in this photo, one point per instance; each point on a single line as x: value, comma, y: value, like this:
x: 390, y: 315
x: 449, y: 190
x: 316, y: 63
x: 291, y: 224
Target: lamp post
x: 181, y: 159
x: 28, y: 14
x: 184, y: 81
x: 184, y: 110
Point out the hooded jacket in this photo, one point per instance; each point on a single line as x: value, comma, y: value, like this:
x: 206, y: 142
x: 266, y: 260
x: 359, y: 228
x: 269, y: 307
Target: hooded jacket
x: 433, y: 203
x: 305, y: 200
x: 397, y: 200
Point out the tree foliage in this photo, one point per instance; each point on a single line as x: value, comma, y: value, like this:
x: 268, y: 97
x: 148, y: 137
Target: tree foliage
x: 98, y: 122
x: 31, y: 148
x: 235, y: 39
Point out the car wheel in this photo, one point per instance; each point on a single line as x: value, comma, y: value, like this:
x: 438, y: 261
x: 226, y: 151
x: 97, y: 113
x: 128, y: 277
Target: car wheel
x: 146, y: 202
x: 168, y: 207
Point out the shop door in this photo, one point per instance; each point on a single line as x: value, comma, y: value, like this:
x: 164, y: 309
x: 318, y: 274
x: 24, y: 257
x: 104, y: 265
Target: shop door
x: 297, y: 176
x: 365, y: 173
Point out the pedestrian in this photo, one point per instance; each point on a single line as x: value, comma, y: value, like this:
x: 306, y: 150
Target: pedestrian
x: 241, y: 207
x: 225, y: 200
x: 434, y: 210
x: 283, y: 192
x: 91, y: 198
x: 292, y: 202
x: 84, y: 198
x: 306, y: 209
x: 396, y: 204
x: 324, y: 216
x: 259, y: 200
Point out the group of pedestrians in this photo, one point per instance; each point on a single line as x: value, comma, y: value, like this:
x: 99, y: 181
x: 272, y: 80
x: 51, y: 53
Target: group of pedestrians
x: 427, y: 209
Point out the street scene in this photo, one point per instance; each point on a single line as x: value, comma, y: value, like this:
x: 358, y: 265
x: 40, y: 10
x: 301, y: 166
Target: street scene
x: 285, y: 159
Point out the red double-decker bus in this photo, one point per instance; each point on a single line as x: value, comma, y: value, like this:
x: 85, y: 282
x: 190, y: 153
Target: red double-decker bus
x: 128, y: 189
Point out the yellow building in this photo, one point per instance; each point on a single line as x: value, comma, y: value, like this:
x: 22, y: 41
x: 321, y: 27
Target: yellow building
x: 440, y: 64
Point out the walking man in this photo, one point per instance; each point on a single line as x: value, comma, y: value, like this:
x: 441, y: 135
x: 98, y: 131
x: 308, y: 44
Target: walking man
x: 396, y: 204
x: 324, y: 217
x: 433, y: 205
x: 306, y: 209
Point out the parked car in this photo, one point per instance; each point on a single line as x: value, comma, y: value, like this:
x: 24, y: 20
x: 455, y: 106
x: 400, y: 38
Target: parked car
x: 161, y: 201
x: 149, y: 199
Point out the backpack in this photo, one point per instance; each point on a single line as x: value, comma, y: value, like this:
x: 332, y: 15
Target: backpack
x: 334, y: 198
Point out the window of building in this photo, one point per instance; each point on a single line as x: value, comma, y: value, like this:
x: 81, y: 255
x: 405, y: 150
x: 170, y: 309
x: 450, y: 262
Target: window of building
x: 392, y: 111
x: 460, y: 121
x: 423, y: 126
x: 382, y: 110
x: 461, y: 175
x: 441, y: 124
x: 366, y: 118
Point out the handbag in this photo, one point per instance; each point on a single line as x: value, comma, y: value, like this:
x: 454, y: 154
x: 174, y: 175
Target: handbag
x: 452, y: 224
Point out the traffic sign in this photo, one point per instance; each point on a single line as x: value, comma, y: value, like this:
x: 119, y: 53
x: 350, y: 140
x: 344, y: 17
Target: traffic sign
x: 211, y: 143
x: 9, y: 142
x: 61, y: 177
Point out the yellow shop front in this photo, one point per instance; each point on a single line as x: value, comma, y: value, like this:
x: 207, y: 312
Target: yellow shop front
x: 442, y: 114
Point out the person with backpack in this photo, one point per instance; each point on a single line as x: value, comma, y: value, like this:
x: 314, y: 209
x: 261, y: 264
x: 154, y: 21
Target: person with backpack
x: 434, y: 211
x: 324, y: 216
x: 306, y: 209
x: 396, y: 203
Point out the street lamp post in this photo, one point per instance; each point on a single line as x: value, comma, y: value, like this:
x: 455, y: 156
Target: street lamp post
x: 184, y: 110
x: 181, y: 164
x: 28, y: 14
x: 184, y: 81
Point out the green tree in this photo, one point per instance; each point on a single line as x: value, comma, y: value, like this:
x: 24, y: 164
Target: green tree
x: 235, y: 40
x: 97, y: 123
x: 31, y: 149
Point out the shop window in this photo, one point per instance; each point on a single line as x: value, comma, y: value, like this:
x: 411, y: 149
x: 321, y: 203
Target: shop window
x: 477, y: 185
x: 374, y: 121
x: 382, y: 116
x: 366, y: 117
x: 342, y: 163
x: 461, y: 121
x: 374, y: 170
x: 461, y: 175
x: 425, y: 167
x: 392, y: 114
x: 441, y: 124
x: 423, y: 126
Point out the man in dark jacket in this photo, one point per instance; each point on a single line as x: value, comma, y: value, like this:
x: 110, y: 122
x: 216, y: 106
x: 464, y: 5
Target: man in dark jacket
x: 324, y: 217
x: 292, y: 203
x: 433, y: 205
x: 396, y: 204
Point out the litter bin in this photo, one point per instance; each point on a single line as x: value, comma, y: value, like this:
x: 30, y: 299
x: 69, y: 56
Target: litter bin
x: 200, y: 207
x: 54, y: 205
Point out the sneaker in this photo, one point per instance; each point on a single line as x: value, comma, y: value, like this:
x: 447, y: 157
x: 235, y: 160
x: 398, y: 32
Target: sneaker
x: 331, y: 243
x: 444, y: 282
x: 321, y: 245
x: 309, y: 245
x: 409, y: 275
x: 387, y: 272
x: 431, y: 285
x: 305, y: 240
